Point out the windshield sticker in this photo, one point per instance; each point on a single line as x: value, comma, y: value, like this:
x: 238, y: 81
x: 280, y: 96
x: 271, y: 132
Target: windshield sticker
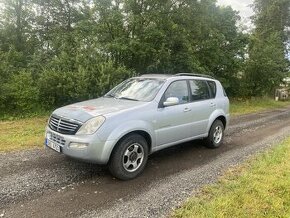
x: 87, y: 108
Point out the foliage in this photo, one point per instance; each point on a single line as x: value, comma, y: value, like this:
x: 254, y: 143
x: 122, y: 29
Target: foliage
x: 21, y: 92
x: 57, y: 88
x: 13, y: 135
x: 267, y: 64
x: 75, y: 50
x: 255, y: 104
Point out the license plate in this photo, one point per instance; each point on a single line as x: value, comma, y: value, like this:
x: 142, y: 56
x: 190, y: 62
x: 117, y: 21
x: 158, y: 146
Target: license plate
x: 52, y: 145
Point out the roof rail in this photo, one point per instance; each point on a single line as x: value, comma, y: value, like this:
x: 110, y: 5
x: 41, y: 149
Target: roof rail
x: 194, y: 74
x: 155, y: 75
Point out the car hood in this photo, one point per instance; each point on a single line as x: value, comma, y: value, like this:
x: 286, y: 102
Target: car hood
x: 85, y: 110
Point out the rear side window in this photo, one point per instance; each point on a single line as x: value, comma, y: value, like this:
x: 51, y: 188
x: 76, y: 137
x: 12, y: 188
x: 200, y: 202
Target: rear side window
x: 225, y: 94
x: 212, y: 87
x: 199, y: 90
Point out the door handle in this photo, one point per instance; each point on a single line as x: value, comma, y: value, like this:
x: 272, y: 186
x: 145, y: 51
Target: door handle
x: 212, y: 104
x: 186, y: 110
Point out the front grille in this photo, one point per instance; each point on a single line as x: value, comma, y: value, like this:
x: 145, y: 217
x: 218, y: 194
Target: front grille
x: 57, y: 138
x: 63, y: 125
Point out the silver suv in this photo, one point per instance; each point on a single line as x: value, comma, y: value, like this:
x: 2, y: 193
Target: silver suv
x: 138, y: 117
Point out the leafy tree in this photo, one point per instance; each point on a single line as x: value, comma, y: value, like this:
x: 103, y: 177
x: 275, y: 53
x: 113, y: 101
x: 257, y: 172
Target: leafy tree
x: 267, y: 64
x: 66, y: 51
x: 22, y: 93
x: 15, y: 41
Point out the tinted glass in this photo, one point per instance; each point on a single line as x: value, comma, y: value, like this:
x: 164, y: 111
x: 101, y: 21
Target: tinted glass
x: 199, y: 90
x: 179, y: 90
x: 212, y: 87
x: 225, y: 94
x: 136, y: 89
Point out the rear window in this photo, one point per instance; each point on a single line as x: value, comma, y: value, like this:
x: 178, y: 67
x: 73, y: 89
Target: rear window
x: 225, y: 94
x: 199, y: 90
x: 212, y: 87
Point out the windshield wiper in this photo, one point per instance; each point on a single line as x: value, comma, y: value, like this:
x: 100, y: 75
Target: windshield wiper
x: 126, y: 98
x: 110, y: 96
x: 114, y: 96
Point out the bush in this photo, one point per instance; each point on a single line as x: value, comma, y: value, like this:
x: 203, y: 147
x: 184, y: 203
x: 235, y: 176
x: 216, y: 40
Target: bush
x: 105, y: 77
x: 60, y: 88
x: 20, y: 94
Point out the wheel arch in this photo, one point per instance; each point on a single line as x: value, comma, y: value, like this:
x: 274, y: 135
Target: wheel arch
x: 223, y: 119
x: 142, y: 133
x: 217, y: 115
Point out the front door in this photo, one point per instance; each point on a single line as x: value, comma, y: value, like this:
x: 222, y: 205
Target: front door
x: 173, y: 122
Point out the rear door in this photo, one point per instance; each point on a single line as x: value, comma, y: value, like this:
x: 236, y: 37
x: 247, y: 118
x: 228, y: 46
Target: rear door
x: 201, y: 107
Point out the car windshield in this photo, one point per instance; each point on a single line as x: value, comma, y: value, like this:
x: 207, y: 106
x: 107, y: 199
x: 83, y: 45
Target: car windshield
x: 137, y: 89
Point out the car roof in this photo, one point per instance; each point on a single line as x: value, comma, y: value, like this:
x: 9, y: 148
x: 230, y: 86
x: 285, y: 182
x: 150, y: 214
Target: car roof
x: 167, y: 76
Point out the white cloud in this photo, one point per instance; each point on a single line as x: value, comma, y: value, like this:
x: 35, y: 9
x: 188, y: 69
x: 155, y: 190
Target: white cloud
x: 243, y: 6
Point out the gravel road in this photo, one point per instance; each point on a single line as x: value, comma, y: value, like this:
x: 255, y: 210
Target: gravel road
x: 42, y: 183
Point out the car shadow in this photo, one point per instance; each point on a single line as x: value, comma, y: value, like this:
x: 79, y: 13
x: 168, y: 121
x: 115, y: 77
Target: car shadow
x: 160, y: 164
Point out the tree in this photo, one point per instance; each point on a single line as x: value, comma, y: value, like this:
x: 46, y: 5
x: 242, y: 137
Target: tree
x: 267, y: 64
x: 68, y: 51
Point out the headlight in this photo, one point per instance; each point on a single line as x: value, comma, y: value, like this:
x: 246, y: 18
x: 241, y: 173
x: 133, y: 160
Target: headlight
x: 91, y: 126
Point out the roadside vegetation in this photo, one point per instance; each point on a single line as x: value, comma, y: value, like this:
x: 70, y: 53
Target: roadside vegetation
x: 246, y: 106
x: 55, y: 53
x: 59, y: 52
x: 259, y: 188
x: 17, y: 133
x: 22, y: 134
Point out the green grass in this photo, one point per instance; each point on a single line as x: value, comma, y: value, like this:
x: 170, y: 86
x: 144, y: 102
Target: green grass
x: 22, y: 134
x: 259, y: 188
x: 6, y: 116
x: 239, y: 107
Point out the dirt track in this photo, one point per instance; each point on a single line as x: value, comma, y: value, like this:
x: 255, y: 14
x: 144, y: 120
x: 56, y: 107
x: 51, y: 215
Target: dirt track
x: 42, y: 183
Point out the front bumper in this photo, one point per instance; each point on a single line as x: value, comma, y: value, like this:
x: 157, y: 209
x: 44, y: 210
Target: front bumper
x: 96, y: 151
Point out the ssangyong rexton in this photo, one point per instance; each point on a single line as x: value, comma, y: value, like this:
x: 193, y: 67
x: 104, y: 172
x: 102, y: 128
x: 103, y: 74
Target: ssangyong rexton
x: 138, y: 117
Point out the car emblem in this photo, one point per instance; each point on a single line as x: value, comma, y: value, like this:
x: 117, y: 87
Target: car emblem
x: 58, y: 124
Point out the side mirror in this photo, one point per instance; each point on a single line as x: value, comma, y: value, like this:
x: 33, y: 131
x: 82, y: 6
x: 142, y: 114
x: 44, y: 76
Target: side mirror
x: 171, y: 102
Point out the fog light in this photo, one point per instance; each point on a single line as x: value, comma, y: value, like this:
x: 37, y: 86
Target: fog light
x: 48, y: 135
x: 78, y: 145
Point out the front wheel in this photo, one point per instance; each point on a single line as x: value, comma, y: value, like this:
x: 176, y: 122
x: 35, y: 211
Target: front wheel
x: 129, y: 158
x: 215, y: 135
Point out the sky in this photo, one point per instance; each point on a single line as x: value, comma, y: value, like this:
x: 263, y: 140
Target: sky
x: 243, y: 6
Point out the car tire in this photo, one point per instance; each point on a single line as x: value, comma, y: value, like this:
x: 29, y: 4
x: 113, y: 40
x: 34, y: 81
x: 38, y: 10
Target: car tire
x: 129, y: 157
x: 215, y: 135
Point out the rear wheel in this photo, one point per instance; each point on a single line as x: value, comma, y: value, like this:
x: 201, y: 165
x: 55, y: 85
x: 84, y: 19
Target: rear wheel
x: 215, y: 135
x: 129, y: 158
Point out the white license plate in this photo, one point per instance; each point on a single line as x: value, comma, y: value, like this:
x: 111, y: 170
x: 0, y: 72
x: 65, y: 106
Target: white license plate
x: 53, y: 145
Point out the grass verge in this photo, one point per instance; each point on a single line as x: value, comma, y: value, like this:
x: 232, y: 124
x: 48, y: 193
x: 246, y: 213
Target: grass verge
x: 22, y: 134
x: 17, y: 133
x: 239, y: 107
x: 259, y: 188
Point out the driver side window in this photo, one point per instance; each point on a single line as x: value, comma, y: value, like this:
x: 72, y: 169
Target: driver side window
x: 178, y: 89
